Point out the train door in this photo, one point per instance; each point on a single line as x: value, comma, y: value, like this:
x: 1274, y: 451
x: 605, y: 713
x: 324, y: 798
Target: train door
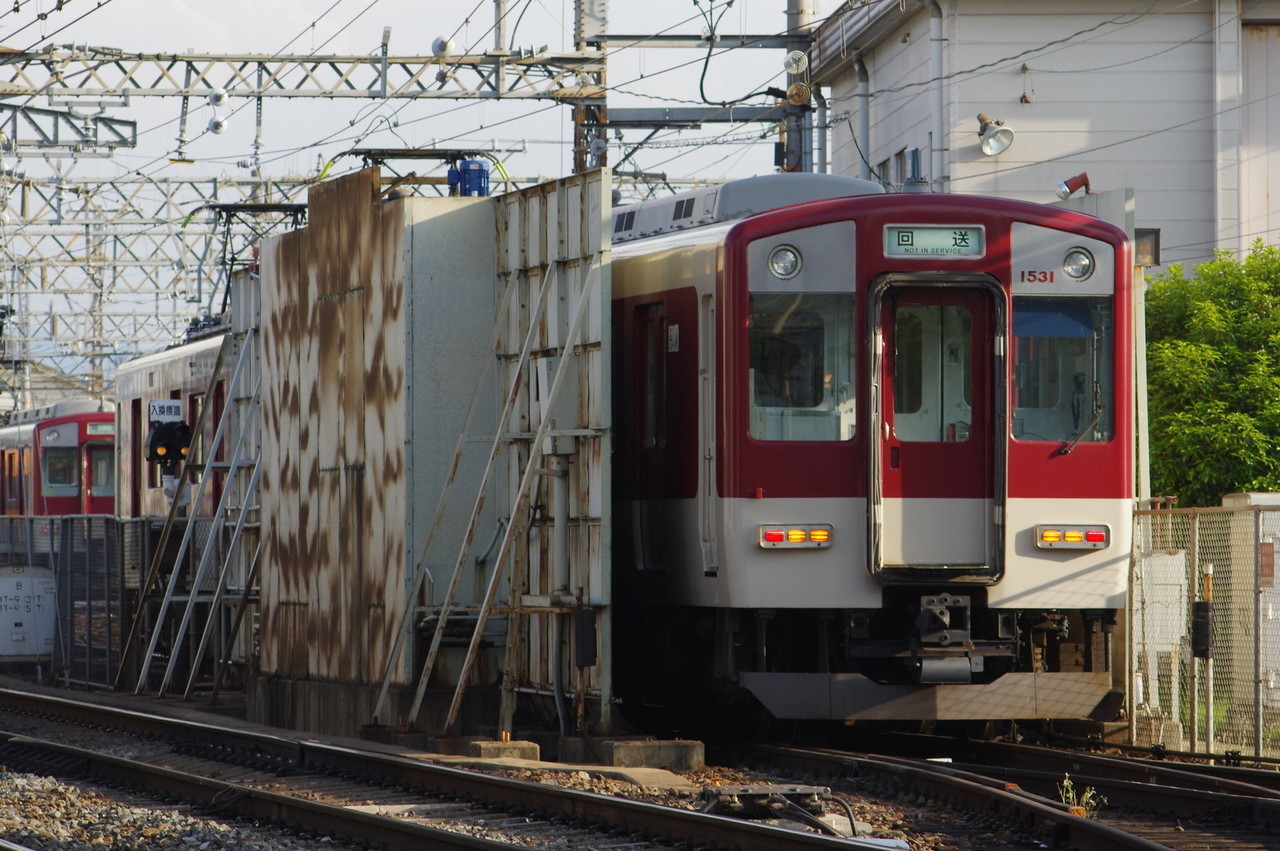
x: 937, y: 462
x: 649, y: 377
x: 99, y: 477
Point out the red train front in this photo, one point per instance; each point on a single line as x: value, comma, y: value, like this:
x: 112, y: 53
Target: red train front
x: 873, y: 452
x: 59, y: 460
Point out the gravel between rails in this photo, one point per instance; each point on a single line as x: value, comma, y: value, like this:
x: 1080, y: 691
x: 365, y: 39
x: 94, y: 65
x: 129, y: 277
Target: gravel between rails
x: 44, y: 813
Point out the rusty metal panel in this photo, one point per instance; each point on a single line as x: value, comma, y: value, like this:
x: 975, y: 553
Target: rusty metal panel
x: 282, y: 599
x: 555, y: 236
x: 333, y: 414
x: 392, y: 332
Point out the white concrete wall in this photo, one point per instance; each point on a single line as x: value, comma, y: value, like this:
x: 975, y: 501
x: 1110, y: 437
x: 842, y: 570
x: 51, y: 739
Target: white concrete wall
x: 1260, y: 132
x: 1145, y: 101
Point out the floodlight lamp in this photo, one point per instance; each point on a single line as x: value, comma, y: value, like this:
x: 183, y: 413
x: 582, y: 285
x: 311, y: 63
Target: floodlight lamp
x: 1072, y: 185
x: 993, y: 135
x: 217, y: 124
x: 217, y: 96
x: 442, y: 47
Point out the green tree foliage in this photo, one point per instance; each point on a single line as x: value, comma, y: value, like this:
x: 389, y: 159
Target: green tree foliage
x: 1213, y: 359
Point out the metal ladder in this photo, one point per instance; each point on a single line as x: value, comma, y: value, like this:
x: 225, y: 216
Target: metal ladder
x: 241, y: 482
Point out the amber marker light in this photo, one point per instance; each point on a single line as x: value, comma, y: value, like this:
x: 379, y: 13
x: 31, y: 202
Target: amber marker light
x: 795, y: 535
x: 1072, y: 537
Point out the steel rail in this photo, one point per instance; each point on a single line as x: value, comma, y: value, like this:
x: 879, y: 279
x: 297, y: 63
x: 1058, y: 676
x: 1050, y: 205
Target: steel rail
x: 982, y: 794
x: 216, y: 795
x: 638, y: 817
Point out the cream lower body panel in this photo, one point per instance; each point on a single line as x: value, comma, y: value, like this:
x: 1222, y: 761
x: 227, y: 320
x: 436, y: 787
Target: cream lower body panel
x: 741, y: 574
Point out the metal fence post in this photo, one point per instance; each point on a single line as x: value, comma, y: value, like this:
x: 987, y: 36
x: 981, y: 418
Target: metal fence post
x: 1193, y: 672
x: 1257, y: 633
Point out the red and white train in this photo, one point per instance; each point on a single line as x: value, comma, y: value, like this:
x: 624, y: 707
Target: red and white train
x: 873, y: 454
x: 59, y: 460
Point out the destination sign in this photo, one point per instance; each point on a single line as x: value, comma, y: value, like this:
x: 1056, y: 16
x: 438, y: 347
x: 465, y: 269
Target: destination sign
x: 933, y: 241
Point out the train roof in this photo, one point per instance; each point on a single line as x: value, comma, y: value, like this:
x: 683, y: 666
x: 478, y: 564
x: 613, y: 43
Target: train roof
x: 64, y: 408
x: 736, y: 199
x: 183, y: 350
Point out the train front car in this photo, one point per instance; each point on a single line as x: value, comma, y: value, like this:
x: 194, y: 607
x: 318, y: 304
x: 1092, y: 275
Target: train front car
x: 59, y: 460
x: 875, y: 460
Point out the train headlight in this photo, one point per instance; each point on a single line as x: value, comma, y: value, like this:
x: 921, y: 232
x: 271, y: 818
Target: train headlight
x: 784, y: 262
x: 795, y: 535
x: 1078, y: 264
x: 1072, y: 537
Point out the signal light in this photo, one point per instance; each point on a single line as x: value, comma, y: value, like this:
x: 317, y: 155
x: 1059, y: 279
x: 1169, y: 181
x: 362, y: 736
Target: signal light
x: 168, y: 442
x: 795, y: 536
x: 1072, y: 537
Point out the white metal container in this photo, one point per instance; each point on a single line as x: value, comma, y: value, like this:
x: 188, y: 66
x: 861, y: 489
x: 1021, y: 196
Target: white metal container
x: 28, y: 617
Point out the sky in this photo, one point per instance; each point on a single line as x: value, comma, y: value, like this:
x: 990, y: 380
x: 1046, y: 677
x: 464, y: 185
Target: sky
x: 302, y: 134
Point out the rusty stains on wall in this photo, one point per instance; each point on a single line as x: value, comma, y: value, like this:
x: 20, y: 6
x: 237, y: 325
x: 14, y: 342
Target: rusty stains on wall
x: 333, y: 435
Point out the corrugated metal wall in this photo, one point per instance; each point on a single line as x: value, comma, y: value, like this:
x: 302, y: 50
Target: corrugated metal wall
x: 393, y: 494
x: 554, y: 250
x: 333, y: 471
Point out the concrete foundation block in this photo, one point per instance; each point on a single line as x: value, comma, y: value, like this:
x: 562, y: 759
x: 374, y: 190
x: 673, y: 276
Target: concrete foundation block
x: 671, y: 754
x: 489, y: 749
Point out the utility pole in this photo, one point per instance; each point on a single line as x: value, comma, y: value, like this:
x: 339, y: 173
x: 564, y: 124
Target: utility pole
x: 798, y: 139
x: 590, y: 139
x: 791, y: 107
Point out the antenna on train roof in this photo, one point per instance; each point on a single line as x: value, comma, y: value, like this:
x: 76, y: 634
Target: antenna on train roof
x: 915, y: 182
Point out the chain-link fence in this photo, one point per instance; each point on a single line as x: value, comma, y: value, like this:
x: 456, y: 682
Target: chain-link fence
x: 74, y: 607
x: 69, y: 589
x: 1205, y: 630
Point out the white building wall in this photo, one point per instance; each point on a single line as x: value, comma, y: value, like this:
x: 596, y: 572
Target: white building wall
x: 899, y: 75
x: 1260, y: 132
x: 1144, y: 100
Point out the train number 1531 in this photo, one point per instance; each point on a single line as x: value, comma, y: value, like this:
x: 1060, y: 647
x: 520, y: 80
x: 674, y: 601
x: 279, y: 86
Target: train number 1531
x: 1036, y: 276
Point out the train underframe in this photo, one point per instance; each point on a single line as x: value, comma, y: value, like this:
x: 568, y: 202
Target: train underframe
x: 925, y: 654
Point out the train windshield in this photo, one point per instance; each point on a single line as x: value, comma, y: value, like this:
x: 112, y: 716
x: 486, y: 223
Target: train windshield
x: 59, y: 471
x: 1063, y: 369
x: 801, y: 366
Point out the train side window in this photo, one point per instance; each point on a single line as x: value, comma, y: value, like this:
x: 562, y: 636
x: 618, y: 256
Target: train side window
x: 800, y: 364
x: 653, y: 360
x: 11, y: 489
x: 24, y: 477
x: 1063, y: 363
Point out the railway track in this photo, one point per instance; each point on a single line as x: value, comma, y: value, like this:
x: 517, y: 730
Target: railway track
x: 1148, y: 804
x: 368, y: 797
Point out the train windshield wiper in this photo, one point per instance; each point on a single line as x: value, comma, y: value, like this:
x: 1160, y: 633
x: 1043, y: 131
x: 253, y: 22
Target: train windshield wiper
x: 1087, y: 427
